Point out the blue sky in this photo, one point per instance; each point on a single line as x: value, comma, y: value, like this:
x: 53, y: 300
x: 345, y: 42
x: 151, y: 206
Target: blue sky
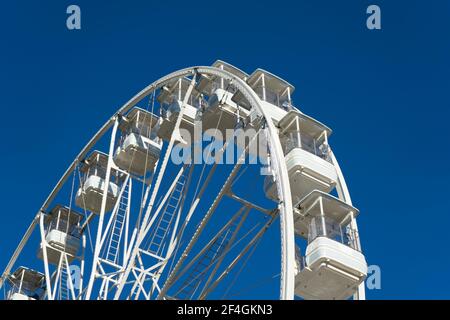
x: 383, y: 92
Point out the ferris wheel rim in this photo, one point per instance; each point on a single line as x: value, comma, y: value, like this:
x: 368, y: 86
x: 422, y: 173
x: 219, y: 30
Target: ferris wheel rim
x: 277, y: 156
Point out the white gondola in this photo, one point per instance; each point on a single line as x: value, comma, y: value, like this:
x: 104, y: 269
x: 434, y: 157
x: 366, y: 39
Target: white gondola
x: 89, y: 195
x: 333, y: 267
x: 221, y: 113
x: 25, y: 284
x: 274, y: 92
x: 305, y: 143
x: 140, y: 147
x: 171, y: 99
x: 62, y: 234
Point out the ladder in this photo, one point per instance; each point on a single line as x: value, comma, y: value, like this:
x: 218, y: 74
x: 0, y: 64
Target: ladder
x: 165, y: 220
x: 195, y: 277
x: 113, y: 249
x: 64, y: 293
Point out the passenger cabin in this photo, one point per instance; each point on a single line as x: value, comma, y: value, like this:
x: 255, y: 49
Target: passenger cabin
x: 89, y: 195
x: 274, y: 92
x: 333, y: 267
x: 171, y: 99
x: 221, y: 113
x: 62, y: 234
x: 305, y: 144
x: 139, y: 147
x: 25, y: 284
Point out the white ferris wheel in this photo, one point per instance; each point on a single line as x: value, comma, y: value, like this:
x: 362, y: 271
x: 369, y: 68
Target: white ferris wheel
x: 164, y: 203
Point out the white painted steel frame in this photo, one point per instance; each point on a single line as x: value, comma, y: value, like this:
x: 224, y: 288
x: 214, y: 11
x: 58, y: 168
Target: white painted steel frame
x: 278, y: 168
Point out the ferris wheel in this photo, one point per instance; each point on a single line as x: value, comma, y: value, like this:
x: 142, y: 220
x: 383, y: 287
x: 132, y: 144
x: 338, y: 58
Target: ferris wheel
x: 207, y: 184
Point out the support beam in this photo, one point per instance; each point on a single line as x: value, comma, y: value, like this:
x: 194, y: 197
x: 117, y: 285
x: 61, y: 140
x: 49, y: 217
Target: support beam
x: 142, y: 234
x: 248, y: 203
x: 220, y: 260
x: 97, y: 249
x: 204, y: 221
x: 45, y: 257
x: 208, y: 245
x: 236, y: 260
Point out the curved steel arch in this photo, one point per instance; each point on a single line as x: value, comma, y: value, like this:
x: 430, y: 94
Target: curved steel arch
x: 278, y: 165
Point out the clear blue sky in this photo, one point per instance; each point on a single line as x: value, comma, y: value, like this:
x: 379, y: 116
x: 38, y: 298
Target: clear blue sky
x: 385, y: 93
